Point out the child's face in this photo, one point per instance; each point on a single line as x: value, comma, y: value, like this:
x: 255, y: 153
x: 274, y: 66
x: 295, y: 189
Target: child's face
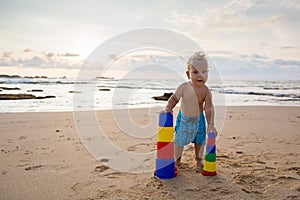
x: 198, y: 73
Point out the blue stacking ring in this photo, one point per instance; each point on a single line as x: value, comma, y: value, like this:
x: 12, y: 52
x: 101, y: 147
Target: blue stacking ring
x: 210, y: 148
x: 165, y: 120
x: 165, y: 169
x: 211, y: 135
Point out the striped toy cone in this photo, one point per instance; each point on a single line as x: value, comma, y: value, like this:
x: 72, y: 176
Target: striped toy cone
x: 165, y: 162
x: 210, y: 164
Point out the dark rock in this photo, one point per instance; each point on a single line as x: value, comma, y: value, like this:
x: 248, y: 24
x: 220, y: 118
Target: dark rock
x: 9, y: 76
x: 165, y: 97
x: 103, y: 77
x: 45, y: 97
x: 7, y: 88
x: 17, y: 76
x: 31, y: 77
x: 35, y: 90
x: 104, y: 89
x: 74, y: 92
x: 22, y: 96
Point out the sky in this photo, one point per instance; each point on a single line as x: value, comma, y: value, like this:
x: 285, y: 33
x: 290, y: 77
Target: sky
x: 245, y: 39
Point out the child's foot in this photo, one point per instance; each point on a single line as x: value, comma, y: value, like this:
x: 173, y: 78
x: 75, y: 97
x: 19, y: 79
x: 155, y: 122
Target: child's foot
x: 179, y: 165
x: 177, y: 162
x: 199, y: 167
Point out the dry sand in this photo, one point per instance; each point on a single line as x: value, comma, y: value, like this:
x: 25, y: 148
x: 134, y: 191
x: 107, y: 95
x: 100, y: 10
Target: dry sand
x: 42, y: 157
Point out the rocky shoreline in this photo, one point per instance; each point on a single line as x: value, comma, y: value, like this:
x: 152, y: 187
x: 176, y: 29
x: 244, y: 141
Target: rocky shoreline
x: 164, y: 97
x: 22, y: 96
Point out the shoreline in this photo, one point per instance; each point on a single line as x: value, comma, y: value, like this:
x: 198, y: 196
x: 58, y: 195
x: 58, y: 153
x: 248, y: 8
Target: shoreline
x: 142, y: 108
x: 43, y: 157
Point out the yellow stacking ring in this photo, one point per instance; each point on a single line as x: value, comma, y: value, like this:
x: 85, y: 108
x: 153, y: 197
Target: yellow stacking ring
x: 210, y: 166
x: 165, y: 134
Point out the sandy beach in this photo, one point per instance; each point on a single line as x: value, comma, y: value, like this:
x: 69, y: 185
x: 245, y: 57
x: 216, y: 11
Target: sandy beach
x: 42, y: 157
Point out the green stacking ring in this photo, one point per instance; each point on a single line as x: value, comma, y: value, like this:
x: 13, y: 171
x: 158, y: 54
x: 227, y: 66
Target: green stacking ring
x: 210, y: 157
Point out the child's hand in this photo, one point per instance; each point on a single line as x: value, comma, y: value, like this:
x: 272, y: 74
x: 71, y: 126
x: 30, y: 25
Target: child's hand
x: 212, y: 128
x: 166, y: 111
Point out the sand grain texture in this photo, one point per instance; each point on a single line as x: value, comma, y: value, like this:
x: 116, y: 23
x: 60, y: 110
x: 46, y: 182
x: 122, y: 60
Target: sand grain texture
x: 42, y: 157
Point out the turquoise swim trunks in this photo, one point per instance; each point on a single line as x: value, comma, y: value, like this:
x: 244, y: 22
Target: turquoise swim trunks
x: 190, y: 129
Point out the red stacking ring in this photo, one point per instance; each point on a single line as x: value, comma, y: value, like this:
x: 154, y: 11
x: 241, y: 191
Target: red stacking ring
x: 206, y: 173
x: 211, y: 141
x: 165, y: 150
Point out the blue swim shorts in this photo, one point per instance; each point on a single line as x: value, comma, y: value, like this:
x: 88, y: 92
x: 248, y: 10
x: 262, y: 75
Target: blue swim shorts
x: 190, y: 129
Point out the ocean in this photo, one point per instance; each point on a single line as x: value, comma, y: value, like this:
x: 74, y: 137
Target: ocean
x: 102, y: 93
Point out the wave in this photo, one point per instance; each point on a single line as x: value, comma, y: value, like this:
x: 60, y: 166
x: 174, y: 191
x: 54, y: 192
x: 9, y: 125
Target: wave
x: 47, y: 82
x: 41, y: 82
x: 293, y: 96
x: 281, y: 88
x: 135, y: 87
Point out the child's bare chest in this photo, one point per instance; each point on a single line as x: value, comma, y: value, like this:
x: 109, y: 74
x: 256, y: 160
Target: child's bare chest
x: 193, y: 93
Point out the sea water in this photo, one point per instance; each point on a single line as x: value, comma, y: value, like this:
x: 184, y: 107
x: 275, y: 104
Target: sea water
x: 108, y: 93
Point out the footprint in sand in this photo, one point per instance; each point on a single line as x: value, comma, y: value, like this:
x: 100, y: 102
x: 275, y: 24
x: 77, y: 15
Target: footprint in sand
x: 33, y: 167
x: 132, y: 148
x: 223, y: 156
x: 136, y: 146
x: 260, y: 162
x: 101, y: 168
x: 22, y: 137
x: 113, y: 175
x: 283, y: 178
x: 22, y: 165
x: 4, y: 172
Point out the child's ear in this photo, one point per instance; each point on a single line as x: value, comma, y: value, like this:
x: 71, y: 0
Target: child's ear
x: 188, y: 74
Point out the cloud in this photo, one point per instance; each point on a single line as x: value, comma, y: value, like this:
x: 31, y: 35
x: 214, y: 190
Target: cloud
x: 287, y: 62
x: 49, y: 55
x: 34, y: 61
x: 220, y: 52
x: 70, y: 54
x: 7, y: 54
x: 249, y: 64
x: 231, y: 15
x: 52, y: 54
x: 28, y: 50
x: 246, y: 65
x: 241, y: 27
x: 289, y: 47
x: 253, y: 56
x: 292, y: 4
x: 41, y: 60
x: 257, y: 56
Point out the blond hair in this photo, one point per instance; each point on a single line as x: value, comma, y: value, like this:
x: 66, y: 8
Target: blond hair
x: 199, y: 55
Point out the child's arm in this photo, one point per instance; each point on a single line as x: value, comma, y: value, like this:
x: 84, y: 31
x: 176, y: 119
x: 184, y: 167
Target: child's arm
x: 209, y: 113
x: 173, y: 100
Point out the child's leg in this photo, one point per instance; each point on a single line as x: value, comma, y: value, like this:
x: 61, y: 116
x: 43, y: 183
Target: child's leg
x: 178, y: 154
x: 199, y: 149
